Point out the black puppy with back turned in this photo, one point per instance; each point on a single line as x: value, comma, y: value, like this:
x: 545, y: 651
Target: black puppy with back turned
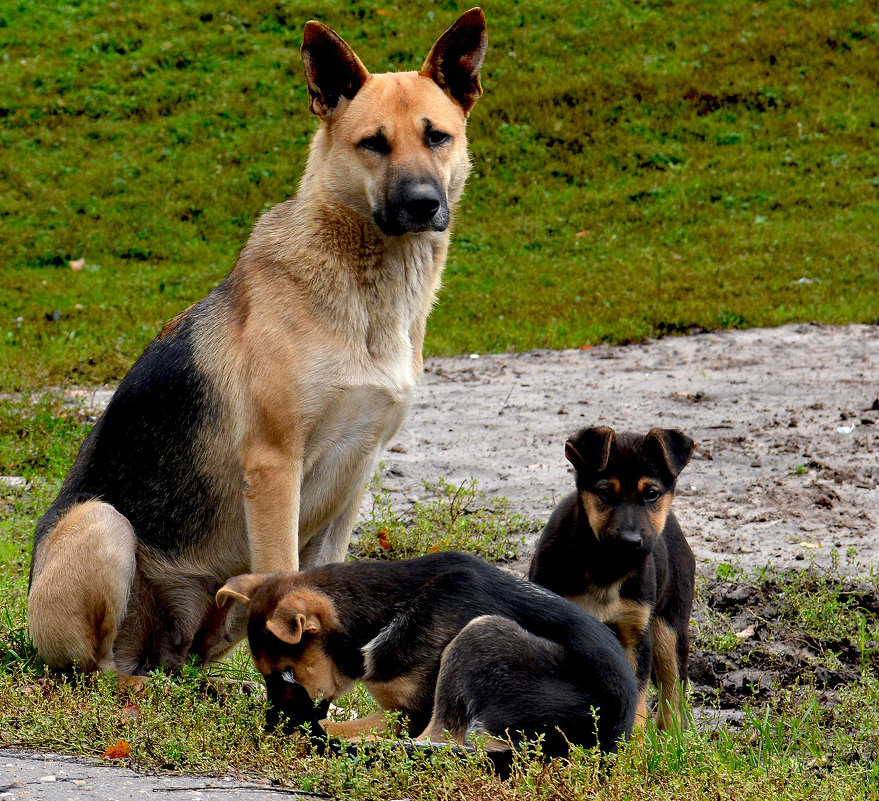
x: 453, y: 643
x: 615, y: 548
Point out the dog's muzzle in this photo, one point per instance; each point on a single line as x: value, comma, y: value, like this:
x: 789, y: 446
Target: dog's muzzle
x: 290, y: 704
x: 413, y: 206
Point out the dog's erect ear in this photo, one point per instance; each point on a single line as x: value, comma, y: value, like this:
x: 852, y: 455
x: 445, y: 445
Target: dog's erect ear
x: 294, y: 617
x: 589, y: 449
x: 670, y: 447
x: 239, y: 588
x: 456, y: 58
x: 332, y: 69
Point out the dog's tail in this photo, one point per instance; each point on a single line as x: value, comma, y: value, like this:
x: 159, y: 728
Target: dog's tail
x: 501, y: 761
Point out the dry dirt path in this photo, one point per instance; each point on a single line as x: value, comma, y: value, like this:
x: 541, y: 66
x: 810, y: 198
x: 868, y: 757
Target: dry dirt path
x: 786, y: 421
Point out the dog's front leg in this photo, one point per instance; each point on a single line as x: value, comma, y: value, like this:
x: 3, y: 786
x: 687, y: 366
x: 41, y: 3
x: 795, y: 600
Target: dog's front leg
x: 359, y: 728
x: 272, y: 482
x: 330, y: 543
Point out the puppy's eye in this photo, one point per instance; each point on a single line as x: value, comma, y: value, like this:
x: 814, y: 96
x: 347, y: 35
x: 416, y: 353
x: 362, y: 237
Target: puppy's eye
x: 375, y: 144
x: 651, y: 494
x: 604, y: 493
x: 437, y: 138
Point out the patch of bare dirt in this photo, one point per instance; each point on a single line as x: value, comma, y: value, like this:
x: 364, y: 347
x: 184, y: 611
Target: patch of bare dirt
x: 786, y: 421
x: 767, y: 645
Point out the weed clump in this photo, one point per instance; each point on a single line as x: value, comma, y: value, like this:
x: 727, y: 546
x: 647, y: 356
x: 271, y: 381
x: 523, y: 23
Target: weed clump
x: 458, y: 517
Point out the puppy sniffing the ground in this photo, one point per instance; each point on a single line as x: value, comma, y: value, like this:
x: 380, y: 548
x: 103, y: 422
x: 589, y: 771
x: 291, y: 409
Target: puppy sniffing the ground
x: 456, y: 645
x: 615, y: 548
x: 242, y: 438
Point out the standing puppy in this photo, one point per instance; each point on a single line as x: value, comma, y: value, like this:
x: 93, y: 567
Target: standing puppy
x: 615, y: 548
x: 242, y: 438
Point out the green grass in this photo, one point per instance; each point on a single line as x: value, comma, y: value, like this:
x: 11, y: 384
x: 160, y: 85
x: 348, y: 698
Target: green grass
x: 456, y: 518
x: 639, y: 168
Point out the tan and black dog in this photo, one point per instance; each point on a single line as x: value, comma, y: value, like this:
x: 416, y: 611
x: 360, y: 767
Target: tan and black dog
x: 455, y: 644
x: 242, y: 438
x: 615, y: 548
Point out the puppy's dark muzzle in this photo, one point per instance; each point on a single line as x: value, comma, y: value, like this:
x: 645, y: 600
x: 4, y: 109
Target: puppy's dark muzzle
x: 291, y: 707
x: 630, y: 539
x: 414, y: 206
x: 630, y: 545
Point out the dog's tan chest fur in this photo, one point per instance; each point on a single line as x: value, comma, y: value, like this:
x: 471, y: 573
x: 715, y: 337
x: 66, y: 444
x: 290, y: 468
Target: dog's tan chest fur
x: 598, y: 601
x: 630, y: 618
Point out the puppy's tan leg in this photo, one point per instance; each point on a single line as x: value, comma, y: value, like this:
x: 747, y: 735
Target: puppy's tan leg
x: 665, y: 666
x: 436, y: 734
x: 357, y: 729
x: 271, y: 504
x: 82, y: 575
x: 632, y: 620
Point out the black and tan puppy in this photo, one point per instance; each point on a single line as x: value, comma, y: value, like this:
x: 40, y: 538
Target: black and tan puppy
x: 242, y: 438
x: 455, y: 644
x: 615, y: 548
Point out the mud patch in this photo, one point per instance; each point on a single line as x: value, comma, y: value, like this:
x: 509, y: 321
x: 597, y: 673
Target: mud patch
x: 806, y: 630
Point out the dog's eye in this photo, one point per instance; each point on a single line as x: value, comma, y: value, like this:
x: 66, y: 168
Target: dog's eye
x: 651, y: 494
x: 605, y: 494
x: 375, y: 144
x: 436, y: 137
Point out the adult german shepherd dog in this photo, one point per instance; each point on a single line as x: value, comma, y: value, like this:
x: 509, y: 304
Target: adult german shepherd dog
x: 242, y: 438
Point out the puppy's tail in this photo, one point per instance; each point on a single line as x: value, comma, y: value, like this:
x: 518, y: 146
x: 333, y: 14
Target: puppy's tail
x: 501, y: 760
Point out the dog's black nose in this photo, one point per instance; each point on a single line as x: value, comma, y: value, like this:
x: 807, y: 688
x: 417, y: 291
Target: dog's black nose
x: 414, y: 205
x: 632, y: 539
x: 423, y: 203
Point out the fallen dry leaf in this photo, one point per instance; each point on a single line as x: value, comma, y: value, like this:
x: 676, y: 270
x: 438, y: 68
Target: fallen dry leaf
x: 383, y: 540
x: 119, y: 751
x: 136, y: 684
x: 745, y: 633
x: 40, y: 686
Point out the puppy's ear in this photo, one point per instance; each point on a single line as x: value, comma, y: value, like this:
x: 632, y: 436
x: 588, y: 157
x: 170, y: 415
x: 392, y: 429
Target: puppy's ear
x: 332, y: 69
x: 455, y: 60
x: 239, y: 588
x: 296, y: 615
x: 589, y: 449
x: 671, y: 448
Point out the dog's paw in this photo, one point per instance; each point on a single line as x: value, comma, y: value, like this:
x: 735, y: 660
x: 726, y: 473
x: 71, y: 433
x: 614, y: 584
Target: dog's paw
x: 127, y: 683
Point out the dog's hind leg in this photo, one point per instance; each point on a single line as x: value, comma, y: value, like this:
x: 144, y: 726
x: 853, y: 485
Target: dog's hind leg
x: 83, y: 569
x: 330, y: 543
x: 488, y: 683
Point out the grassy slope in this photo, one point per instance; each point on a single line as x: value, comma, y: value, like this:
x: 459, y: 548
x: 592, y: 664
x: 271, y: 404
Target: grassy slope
x: 638, y: 167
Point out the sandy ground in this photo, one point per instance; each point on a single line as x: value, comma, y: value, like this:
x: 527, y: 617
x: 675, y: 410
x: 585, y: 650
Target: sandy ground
x: 786, y: 422
x: 54, y: 777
